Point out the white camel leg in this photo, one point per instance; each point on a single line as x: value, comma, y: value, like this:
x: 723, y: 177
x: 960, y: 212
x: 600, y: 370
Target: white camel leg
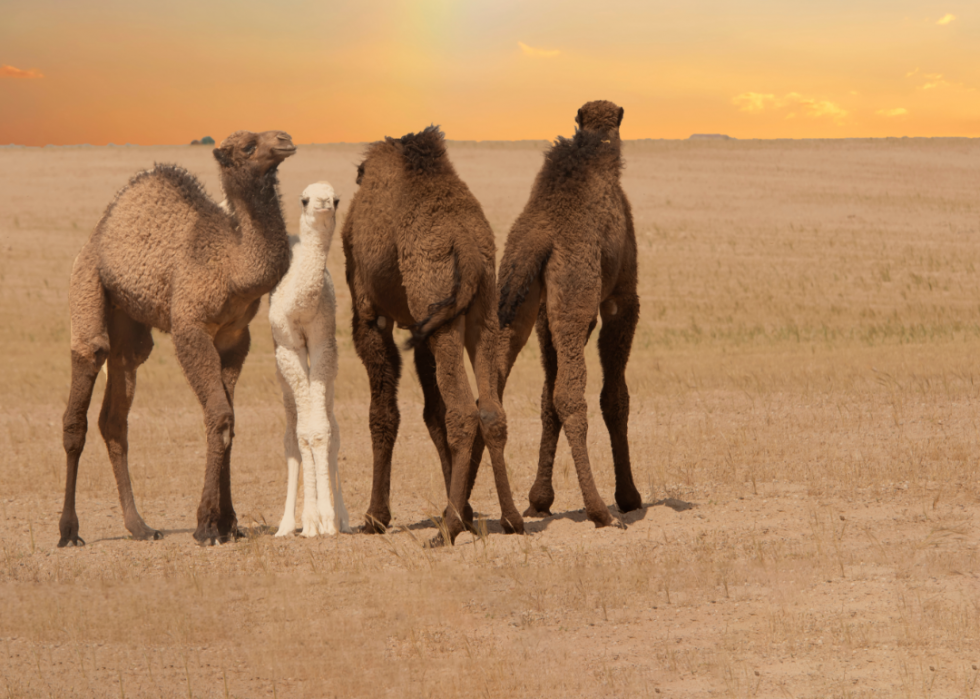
x: 323, y: 369
x: 287, y: 525
x: 341, y: 519
x: 293, y: 365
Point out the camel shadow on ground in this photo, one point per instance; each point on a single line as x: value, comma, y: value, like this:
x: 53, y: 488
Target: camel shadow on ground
x: 535, y: 525
x: 166, y: 533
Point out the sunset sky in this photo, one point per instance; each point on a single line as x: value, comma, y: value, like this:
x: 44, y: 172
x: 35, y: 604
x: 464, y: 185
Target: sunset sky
x: 168, y: 72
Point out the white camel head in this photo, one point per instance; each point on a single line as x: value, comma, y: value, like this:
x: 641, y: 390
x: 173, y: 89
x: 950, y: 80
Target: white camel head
x: 319, y: 210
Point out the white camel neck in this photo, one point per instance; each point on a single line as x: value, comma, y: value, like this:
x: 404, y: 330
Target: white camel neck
x: 315, y: 240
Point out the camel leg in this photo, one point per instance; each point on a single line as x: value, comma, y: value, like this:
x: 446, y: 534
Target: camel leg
x: 293, y: 365
x: 619, y: 317
x: 89, y: 349
x: 323, y: 433
x: 434, y: 415
x: 462, y: 417
x: 569, y: 336
x: 542, y: 494
x: 130, y: 344
x: 510, y: 341
x: 341, y: 519
x: 481, y: 341
x: 287, y: 525
x: 202, y: 366
x: 232, y: 349
x: 377, y: 350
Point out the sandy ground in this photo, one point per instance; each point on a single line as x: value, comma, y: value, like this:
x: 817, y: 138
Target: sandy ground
x: 804, y: 426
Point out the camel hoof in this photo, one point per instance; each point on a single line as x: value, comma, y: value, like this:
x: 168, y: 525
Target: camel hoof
x: 372, y: 525
x: 435, y: 542
x: 629, y: 502
x: 69, y: 535
x: 512, y: 528
x: 286, y: 529
x: 145, y: 533
x: 532, y: 511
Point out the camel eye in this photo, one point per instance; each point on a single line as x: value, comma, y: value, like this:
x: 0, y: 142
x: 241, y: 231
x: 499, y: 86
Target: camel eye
x: 336, y: 202
x: 305, y: 202
x: 249, y: 149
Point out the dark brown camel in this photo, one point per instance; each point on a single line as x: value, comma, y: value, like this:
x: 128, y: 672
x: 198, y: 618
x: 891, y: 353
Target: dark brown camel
x: 165, y: 256
x: 420, y: 253
x: 570, y: 257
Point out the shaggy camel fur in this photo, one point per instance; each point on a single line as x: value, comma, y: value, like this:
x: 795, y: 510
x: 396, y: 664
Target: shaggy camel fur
x: 165, y: 256
x: 570, y: 256
x: 302, y: 311
x: 420, y: 253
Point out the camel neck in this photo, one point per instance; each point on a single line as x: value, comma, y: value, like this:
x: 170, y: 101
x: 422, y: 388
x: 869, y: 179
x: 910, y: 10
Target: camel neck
x: 314, y: 240
x: 263, y: 242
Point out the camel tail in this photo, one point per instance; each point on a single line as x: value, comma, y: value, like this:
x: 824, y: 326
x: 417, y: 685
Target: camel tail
x: 468, y: 271
x: 521, y: 266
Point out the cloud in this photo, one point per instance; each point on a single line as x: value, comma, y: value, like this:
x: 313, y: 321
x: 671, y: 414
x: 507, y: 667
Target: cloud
x: 896, y: 112
x: 934, y: 80
x: 756, y: 102
x: 537, y: 53
x: 11, y: 72
x: 946, y: 20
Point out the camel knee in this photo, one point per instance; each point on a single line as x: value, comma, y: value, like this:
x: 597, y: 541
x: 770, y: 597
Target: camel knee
x: 75, y: 429
x: 461, y: 426
x: 493, y: 421
x: 221, y: 423
x: 568, y: 403
x: 614, y: 403
x: 313, y: 437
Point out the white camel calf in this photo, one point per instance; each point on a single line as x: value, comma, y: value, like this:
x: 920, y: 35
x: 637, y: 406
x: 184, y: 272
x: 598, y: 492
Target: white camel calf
x: 302, y: 310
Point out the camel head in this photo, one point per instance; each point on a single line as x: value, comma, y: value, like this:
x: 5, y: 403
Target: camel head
x: 319, y: 208
x: 600, y: 115
x: 255, y: 152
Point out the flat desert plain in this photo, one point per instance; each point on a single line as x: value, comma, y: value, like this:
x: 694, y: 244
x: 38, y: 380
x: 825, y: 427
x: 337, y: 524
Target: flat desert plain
x: 804, y: 425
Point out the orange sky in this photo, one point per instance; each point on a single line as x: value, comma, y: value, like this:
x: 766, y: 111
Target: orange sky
x: 151, y: 73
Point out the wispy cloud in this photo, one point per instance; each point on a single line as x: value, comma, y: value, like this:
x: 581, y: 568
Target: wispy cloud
x: 756, y: 102
x: 537, y: 53
x: 895, y: 112
x: 934, y: 80
x: 947, y: 19
x: 11, y: 72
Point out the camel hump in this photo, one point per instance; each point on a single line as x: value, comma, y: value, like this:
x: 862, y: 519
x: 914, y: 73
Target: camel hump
x: 424, y: 151
x: 524, y: 259
x: 468, y: 272
x: 187, y: 186
x: 573, y: 158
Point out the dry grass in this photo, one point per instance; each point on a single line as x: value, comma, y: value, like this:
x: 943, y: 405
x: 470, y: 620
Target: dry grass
x: 804, y: 371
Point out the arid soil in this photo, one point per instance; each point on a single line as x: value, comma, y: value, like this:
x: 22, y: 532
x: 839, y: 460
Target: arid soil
x: 805, y: 420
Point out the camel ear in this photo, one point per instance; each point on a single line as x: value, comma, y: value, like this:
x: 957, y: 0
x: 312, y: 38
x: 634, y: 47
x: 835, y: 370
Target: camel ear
x: 360, y: 173
x: 620, y: 120
x: 223, y: 156
x: 578, y: 117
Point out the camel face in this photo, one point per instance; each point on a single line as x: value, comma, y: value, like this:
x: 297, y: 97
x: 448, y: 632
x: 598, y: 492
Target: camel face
x: 319, y: 203
x: 258, y: 152
x: 600, y: 115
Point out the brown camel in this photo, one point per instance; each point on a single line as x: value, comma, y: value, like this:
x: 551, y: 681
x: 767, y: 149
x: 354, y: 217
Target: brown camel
x: 570, y: 256
x: 165, y: 256
x: 420, y: 253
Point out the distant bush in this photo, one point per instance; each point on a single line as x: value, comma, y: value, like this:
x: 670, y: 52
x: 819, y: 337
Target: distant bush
x: 206, y: 141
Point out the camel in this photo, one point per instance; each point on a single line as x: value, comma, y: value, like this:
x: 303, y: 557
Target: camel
x: 302, y: 311
x: 570, y: 257
x: 165, y: 256
x: 420, y: 254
